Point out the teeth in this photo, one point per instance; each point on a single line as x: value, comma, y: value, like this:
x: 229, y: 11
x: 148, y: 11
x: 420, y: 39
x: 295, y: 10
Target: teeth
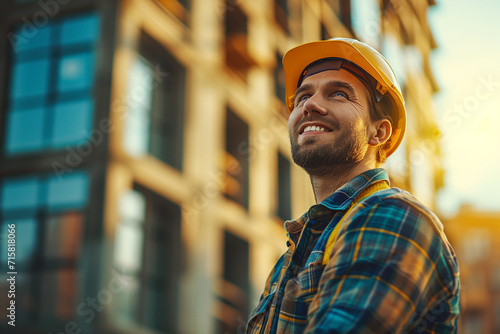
x: 313, y: 128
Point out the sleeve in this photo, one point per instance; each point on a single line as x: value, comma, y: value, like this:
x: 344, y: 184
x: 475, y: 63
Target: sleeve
x: 388, y: 266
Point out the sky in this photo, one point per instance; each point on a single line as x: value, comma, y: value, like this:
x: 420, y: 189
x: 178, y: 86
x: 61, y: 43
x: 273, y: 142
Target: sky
x: 467, y: 69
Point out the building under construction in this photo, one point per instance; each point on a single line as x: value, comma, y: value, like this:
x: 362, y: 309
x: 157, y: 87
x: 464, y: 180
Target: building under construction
x: 145, y: 155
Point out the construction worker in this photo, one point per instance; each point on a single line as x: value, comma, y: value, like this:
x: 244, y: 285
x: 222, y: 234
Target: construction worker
x: 366, y: 258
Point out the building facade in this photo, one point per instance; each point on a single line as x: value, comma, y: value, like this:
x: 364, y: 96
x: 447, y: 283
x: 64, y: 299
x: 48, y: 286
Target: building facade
x: 475, y: 235
x: 145, y: 158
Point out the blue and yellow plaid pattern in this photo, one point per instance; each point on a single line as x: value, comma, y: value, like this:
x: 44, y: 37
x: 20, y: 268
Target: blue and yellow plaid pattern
x: 391, y: 268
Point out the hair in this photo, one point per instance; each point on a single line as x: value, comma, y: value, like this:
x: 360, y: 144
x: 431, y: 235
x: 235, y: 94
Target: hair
x: 381, y: 110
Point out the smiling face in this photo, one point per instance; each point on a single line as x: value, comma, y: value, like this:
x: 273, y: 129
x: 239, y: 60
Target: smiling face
x: 330, y: 125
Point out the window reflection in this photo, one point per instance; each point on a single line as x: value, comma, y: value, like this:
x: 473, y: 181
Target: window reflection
x: 394, y: 54
x: 57, y: 295
x: 80, y: 29
x: 30, y: 79
x: 20, y: 193
x: 129, y: 234
x: 237, y: 148
x: 25, y: 130
x: 63, y: 235
x: 55, y: 64
x: 48, y: 216
x: 72, y: 122
x: 138, y: 120
x: 67, y: 192
x: 155, y: 104
x: 148, y: 250
x: 366, y: 20
x: 75, y: 72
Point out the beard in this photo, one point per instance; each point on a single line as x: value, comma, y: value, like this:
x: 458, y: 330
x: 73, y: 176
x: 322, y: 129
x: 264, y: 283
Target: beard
x: 336, y: 156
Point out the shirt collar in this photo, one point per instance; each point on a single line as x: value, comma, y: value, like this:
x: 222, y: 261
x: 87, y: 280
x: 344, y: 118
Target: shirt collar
x: 344, y: 196
x: 339, y: 200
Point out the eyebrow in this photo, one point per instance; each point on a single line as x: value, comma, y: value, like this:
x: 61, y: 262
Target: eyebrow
x: 329, y: 84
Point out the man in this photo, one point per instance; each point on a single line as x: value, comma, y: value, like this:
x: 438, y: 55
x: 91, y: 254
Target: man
x: 367, y: 258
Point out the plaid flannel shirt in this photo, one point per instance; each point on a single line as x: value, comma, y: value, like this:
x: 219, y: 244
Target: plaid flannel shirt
x: 391, y: 269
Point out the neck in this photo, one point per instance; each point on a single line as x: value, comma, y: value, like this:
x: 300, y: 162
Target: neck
x: 327, y: 183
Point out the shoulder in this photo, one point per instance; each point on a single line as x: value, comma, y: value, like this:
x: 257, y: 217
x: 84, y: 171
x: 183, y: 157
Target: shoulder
x: 396, y: 221
x: 395, y: 210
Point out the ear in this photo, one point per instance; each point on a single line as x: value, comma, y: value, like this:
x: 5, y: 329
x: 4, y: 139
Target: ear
x: 382, y: 132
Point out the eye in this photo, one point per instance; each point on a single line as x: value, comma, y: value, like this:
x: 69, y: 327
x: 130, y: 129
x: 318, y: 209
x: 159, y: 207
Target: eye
x: 340, y: 93
x: 301, y: 99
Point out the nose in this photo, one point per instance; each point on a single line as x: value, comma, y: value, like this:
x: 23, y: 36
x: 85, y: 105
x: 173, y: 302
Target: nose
x: 314, y: 104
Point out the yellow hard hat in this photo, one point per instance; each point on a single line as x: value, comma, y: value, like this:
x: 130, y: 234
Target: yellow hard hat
x: 297, y: 59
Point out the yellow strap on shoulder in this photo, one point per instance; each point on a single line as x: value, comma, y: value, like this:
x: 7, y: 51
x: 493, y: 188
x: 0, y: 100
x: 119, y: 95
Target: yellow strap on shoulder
x: 333, y: 236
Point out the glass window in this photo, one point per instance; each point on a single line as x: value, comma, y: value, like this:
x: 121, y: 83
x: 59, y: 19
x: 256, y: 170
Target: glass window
x: 30, y: 79
x: 75, y: 72
x: 281, y: 13
x: 57, y: 296
x: 130, y: 233
x: 69, y: 191
x: 156, y: 104
x: 136, y: 140
x: 128, y: 247
x: 236, y: 259
x: 125, y: 303
x: 324, y: 32
x: 238, y: 147
x: 63, y: 236
x: 49, y: 218
x: 393, y: 52
x: 366, y: 20
x: 20, y: 193
x: 161, y: 270
x: 284, y: 188
x: 235, y: 286
x: 148, y: 247
x: 25, y: 130
x: 237, y: 55
x: 25, y: 40
x: 132, y: 206
x: 72, y: 122
x: 80, y: 29
x: 55, y: 64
